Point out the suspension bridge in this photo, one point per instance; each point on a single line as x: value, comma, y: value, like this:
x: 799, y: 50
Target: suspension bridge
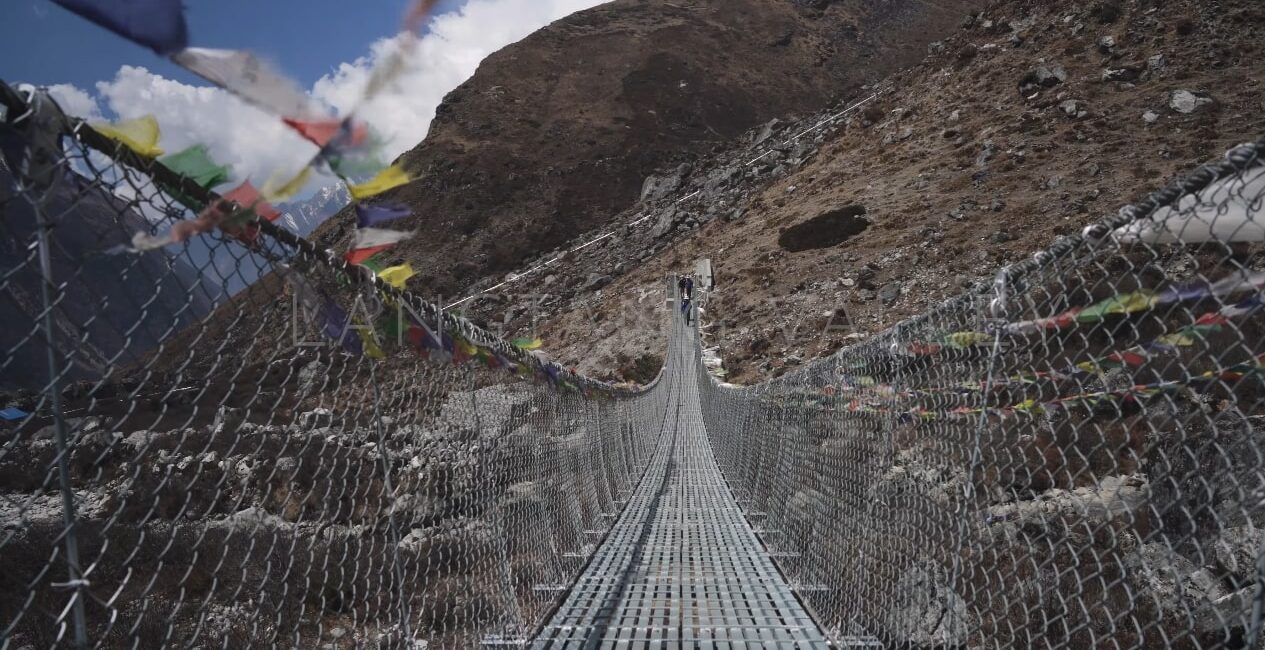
x: 1069, y: 457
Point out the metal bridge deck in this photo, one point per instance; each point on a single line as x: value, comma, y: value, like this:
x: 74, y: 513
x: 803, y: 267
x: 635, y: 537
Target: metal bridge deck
x: 681, y: 568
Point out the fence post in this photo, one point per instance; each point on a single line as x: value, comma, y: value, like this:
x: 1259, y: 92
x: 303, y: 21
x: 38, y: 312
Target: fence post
x: 388, y: 488
x: 43, y: 166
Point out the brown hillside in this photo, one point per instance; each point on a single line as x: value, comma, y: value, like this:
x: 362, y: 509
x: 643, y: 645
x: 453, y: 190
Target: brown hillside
x: 556, y: 134
x: 1029, y: 122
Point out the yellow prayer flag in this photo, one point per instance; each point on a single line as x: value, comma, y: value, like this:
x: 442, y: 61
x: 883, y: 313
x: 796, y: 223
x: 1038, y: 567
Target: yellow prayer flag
x: 371, y: 347
x: 276, y: 190
x: 389, y: 178
x: 967, y: 339
x: 396, y: 276
x: 140, y: 135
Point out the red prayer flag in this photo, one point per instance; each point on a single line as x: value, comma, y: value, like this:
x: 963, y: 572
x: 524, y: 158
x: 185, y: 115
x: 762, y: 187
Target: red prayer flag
x: 1212, y: 319
x: 322, y: 132
x: 249, y: 198
x: 361, y: 254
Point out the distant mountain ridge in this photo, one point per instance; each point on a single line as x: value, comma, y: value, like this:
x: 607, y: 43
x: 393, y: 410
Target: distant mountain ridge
x: 303, y: 217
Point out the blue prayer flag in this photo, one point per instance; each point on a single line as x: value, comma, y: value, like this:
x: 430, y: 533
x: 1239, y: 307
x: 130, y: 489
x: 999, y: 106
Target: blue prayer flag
x: 156, y: 24
x: 12, y: 413
x: 368, y: 215
x: 335, y: 326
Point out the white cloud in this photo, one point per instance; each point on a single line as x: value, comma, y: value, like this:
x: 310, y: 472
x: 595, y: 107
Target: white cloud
x: 448, y: 55
x: 75, y: 101
x: 257, y: 144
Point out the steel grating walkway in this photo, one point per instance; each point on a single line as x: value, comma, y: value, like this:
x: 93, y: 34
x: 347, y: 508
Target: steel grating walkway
x: 681, y: 568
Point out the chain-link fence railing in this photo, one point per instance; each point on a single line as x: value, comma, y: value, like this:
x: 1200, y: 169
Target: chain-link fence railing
x: 317, y: 460
x: 1072, y: 458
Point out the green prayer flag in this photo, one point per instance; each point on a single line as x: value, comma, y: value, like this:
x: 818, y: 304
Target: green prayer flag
x: 195, y: 164
x: 1124, y: 304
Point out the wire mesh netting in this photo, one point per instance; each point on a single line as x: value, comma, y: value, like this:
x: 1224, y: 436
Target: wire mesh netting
x: 241, y: 440
x: 315, y: 460
x: 1072, y: 458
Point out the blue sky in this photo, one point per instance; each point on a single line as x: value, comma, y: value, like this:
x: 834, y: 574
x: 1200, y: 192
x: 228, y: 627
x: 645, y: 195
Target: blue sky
x: 43, y: 44
x: 330, y: 47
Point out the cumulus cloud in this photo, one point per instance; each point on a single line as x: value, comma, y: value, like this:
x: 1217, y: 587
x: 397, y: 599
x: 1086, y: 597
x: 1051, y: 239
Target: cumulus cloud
x: 253, y: 143
x: 75, y: 101
x: 448, y: 55
x: 258, y: 145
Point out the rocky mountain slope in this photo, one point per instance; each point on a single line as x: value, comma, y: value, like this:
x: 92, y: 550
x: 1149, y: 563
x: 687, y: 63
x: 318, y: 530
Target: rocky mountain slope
x: 113, y: 310
x: 556, y: 134
x: 1029, y: 121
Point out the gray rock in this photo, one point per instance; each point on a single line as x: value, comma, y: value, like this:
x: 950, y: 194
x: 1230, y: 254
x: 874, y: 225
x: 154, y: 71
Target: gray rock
x: 1186, y: 101
x: 665, y: 223
x: 1045, y: 76
x: 658, y: 187
x: 1150, y: 117
x: 312, y: 375
x: 228, y: 418
x: 986, y: 154
x: 1236, y: 548
x: 1124, y: 73
x: 1073, y: 108
x: 890, y: 293
x: 1106, y: 44
x: 766, y: 131
x: 595, y: 281
x: 316, y: 419
x: 931, y: 615
x: 74, y: 427
x: 251, y: 519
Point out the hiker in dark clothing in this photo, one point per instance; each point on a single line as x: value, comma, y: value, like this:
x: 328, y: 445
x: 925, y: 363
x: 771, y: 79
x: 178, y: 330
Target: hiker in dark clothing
x: 686, y: 285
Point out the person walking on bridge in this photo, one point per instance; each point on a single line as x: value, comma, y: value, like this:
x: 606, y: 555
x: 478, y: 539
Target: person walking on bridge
x: 686, y: 287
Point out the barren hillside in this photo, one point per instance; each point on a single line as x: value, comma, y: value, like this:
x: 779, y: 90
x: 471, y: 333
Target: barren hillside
x: 1030, y: 121
x: 556, y: 134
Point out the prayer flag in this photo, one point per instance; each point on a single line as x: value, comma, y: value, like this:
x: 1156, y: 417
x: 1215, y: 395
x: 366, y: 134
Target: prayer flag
x: 374, y: 214
x: 247, y: 76
x: 377, y: 237
x: 140, y: 135
x: 369, y: 343
x: 334, y: 324
x: 528, y: 344
x: 336, y: 133
x: 13, y: 413
x: 374, y: 264
x: 1123, y: 304
x: 387, y: 179
x: 249, y: 198
x: 1224, y: 211
x: 359, y: 256
x: 962, y: 340
x: 156, y: 24
x: 195, y: 164
x: 275, y: 190
x: 397, y: 276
